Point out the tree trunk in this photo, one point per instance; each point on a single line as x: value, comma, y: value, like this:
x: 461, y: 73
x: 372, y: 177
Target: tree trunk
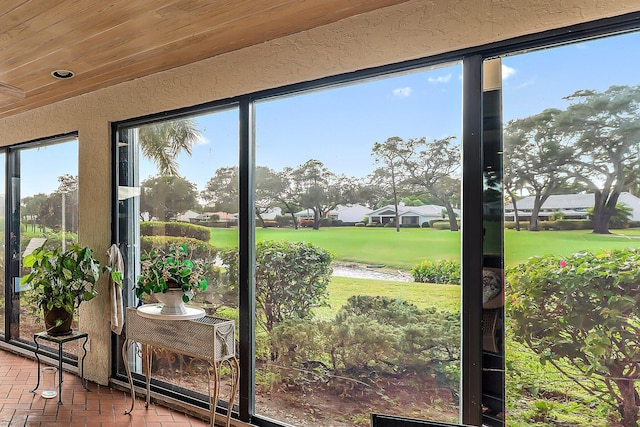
x: 261, y: 219
x: 453, y: 221
x: 316, y: 219
x: 395, y: 199
x: 602, y: 211
x: 516, y: 215
x: 629, y: 407
x: 533, y: 222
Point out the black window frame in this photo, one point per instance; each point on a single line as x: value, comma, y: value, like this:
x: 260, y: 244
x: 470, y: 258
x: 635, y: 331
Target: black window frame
x: 472, y: 212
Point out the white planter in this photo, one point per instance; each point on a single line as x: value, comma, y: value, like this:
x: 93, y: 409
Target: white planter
x: 172, y: 300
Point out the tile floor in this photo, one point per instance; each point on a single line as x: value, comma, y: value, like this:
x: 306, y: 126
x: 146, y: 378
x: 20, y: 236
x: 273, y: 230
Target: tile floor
x: 101, y: 407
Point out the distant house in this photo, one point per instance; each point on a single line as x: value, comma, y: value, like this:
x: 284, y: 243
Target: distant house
x: 214, y: 216
x: 187, y: 216
x: 349, y: 213
x: 344, y: 213
x: 408, y: 215
x: 271, y: 214
x: 572, y: 206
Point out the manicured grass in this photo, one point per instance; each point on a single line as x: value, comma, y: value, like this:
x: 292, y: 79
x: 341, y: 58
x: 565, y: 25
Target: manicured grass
x: 410, y: 246
x: 444, y: 297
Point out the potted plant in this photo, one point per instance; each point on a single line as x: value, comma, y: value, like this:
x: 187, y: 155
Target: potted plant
x: 60, y: 281
x: 171, y: 276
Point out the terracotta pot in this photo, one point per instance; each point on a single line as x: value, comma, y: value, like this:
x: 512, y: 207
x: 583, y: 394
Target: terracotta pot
x: 50, y: 317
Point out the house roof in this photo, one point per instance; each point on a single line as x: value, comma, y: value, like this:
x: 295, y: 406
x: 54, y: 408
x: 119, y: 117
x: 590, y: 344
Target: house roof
x: 567, y: 201
x: 424, y: 210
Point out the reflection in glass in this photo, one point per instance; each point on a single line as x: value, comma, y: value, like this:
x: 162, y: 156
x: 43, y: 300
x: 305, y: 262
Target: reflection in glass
x: 571, y: 162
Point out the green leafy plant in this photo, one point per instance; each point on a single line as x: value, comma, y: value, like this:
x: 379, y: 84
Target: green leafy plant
x: 580, y: 314
x: 62, y: 279
x: 173, y: 268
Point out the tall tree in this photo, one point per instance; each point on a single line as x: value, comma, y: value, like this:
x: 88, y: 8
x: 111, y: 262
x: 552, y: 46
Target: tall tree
x: 321, y: 190
x: 606, y: 129
x: 30, y: 208
x: 166, y: 196
x: 393, y: 154
x: 163, y: 142
x: 222, y: 190
x: 268, y: 186
x: 537, y: 156
x: 433, y: 167
x: 375, y: 189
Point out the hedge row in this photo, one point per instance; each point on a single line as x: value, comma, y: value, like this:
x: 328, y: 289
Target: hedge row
x: 175, y: 229
x: 199, y: 248
x: 443, y: 272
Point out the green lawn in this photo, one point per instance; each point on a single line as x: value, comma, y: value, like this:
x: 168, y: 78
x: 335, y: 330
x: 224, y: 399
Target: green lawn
x: 444, y: 297
x: 413, y: 245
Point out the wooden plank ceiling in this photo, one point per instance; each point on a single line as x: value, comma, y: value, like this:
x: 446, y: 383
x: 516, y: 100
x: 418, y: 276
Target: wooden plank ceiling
x: 109, y: 42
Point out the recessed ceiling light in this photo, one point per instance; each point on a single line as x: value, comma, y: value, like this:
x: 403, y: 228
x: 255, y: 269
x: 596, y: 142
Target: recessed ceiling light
x: 62, y: 74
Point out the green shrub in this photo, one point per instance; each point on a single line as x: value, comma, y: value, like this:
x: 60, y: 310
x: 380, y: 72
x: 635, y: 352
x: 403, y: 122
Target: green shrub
x: 291, y: 279
x: 582, y: 311
x: 409, y: 226
x: 284, y: 220
x: 443, y: 271
x: 370, y: 337
x: 425, y: 224
x: 175, y: 229
x: 360, y: 224
x: 374, y: 224
x: 441, y: 225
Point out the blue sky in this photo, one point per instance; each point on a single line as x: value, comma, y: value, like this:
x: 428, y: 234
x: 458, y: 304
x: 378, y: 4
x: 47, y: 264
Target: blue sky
x: 338, y: 126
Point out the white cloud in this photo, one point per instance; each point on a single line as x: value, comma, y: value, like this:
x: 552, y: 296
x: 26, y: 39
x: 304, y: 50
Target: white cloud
x: 529, y: 82
x: 402, y: 92
x: 440, y: 79
x: 202, y: 140
x: 507, y: 72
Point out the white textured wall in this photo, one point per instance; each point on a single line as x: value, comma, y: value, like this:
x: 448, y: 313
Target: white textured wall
x: 414, y: 29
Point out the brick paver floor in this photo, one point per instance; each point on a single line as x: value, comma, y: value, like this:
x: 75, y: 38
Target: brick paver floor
x: 101, y: 407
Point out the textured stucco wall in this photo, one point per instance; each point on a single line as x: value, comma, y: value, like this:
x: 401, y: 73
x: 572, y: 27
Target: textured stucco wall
x: 414, y: 29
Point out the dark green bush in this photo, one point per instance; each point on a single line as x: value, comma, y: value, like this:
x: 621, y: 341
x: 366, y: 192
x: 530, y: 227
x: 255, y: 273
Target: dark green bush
x: 284, y: 220
x: 176, y: 229
x: 370, y: 338
x: 425, y: 224
x: 568, y: 224
x: 511, y: 225
x: 409, y: 226
x: 441, y: 225
x: 291, y: 279
x: 443, y: 271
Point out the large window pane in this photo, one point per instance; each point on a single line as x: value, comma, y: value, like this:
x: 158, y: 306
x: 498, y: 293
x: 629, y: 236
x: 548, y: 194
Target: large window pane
x: 48, y: 189
x: 571, y: 155
x: 178, y: 183
x: 355, y: 187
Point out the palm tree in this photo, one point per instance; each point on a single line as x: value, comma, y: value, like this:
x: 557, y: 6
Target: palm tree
x: 162, y: 142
